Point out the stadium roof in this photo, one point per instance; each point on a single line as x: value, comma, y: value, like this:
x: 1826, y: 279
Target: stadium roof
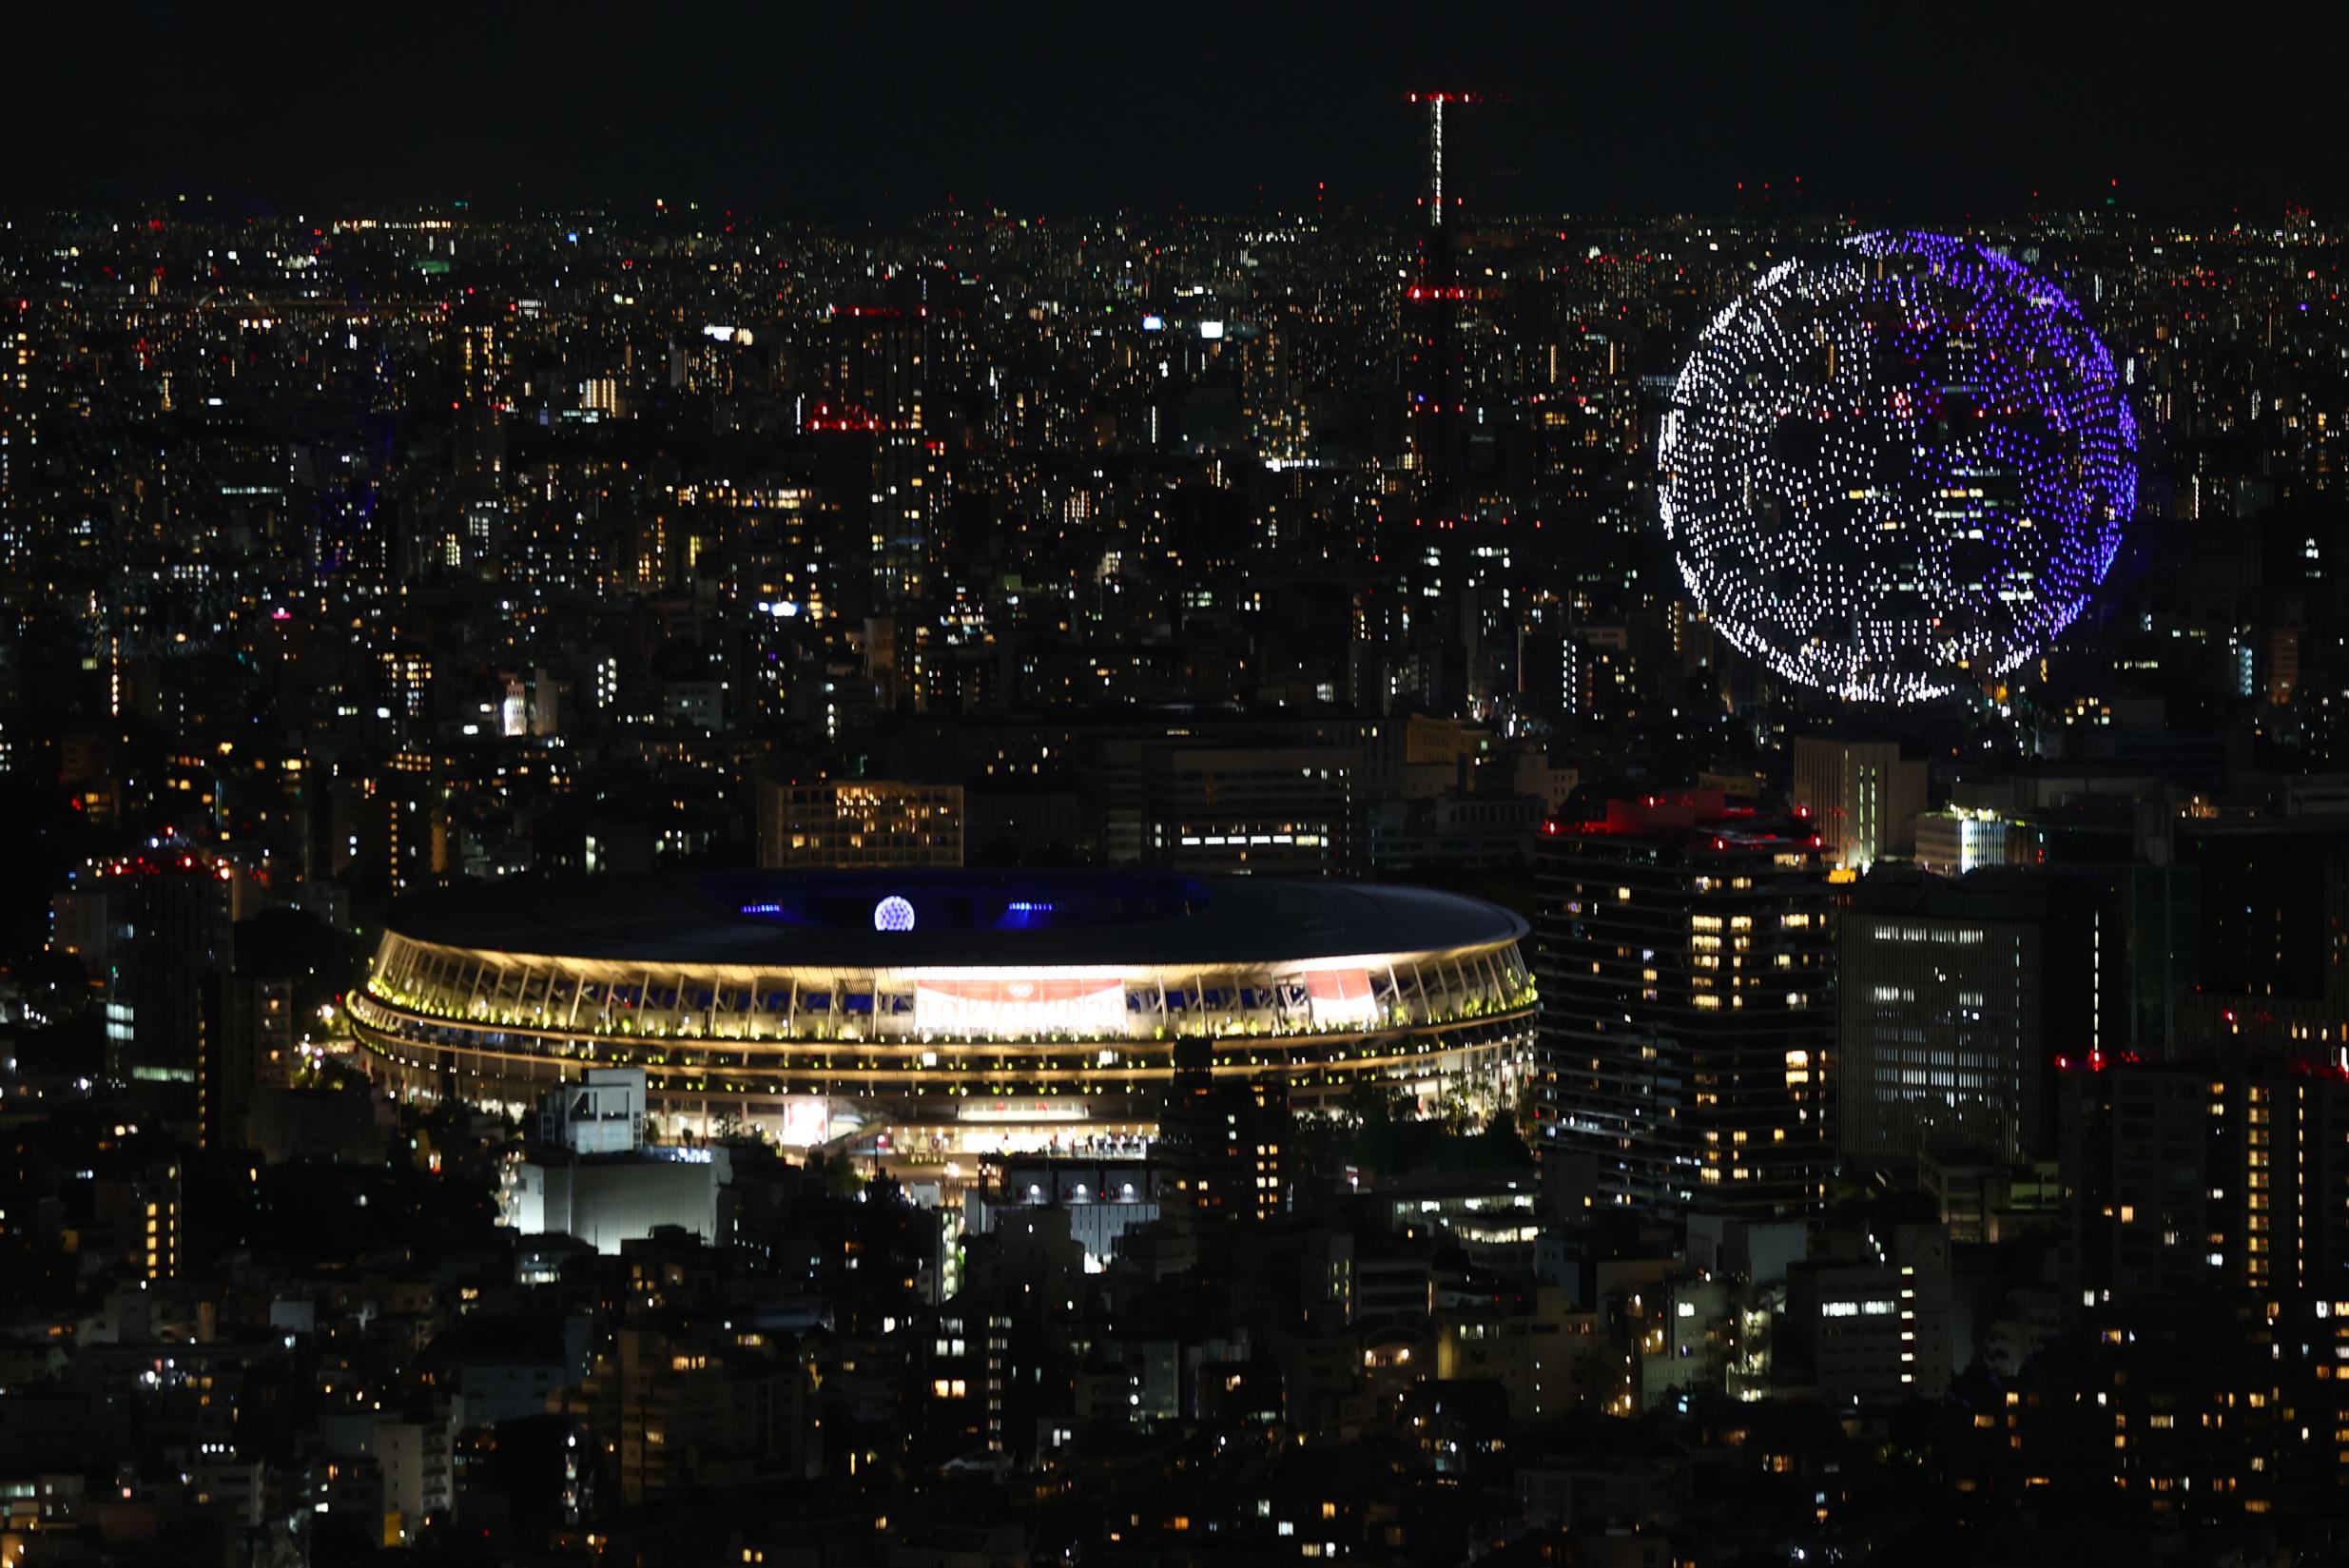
x: 834, y: 920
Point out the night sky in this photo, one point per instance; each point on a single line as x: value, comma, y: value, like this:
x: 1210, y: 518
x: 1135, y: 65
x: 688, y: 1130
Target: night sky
x: 861, y: 111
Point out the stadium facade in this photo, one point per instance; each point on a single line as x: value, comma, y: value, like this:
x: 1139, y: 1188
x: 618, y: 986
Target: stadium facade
x: 946, y: 1011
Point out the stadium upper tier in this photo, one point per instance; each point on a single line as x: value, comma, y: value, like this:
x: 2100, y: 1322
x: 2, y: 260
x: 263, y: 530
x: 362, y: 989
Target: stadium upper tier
x: 916, y: 991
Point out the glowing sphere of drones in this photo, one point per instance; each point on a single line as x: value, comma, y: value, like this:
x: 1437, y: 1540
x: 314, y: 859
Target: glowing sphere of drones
x: 1898, y: 468
x: 893, y: 914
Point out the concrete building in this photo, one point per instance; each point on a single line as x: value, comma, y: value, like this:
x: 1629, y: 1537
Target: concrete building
x: 1453, y: 831
x: 153, y: 926
x: 408, y: 1452
x: 1861, y: 796
x: 1957, y: 840
x: 858, y: 824
x: 256, y: 1050
x: 608, y: 1199
x: 135, y: 1214
x: 1270, y: 811
x: 1548, y: 1360
x: 1596, y: 1490
x: 1945, y: 1014
x: 1869, y: 1322
x: 592, y: 1175
x: 1221, y: 1137
x: 676, y: 1412
x: 1102, y: 1198
x: 1686, y: 1031
x: 604, y: 1115
x: 2188, y: 1177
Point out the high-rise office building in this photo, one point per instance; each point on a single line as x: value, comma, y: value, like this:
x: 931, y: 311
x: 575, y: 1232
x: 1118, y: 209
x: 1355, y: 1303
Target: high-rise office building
x: 2138, y: 1163
x: 20, y: 435
x: 2231, y: 1173
x: 1941, y: 991
x: 1861, y: 797
x: 2294, y: 1173
x: 1687, y: 1034
x: 153, y: 926
x: 877, y: 375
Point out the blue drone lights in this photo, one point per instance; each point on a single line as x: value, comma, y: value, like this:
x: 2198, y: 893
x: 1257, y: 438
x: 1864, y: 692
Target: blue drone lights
x: 1897, y: 469
x: 893, y: 914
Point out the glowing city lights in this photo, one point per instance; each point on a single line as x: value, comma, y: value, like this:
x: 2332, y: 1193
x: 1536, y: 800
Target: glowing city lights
x: 1898, y: 468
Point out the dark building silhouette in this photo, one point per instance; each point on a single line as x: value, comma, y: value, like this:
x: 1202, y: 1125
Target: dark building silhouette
x: 152, y: 929
x: 1221, y: 1137
x: 2229, y: 1173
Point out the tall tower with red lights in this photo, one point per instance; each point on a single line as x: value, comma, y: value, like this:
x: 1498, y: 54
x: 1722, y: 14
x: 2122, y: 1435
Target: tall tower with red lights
x: 1432, y: 380
x: 1442, y: 421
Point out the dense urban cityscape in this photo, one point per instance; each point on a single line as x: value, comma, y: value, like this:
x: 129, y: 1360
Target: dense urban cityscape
x: 1399, y: 881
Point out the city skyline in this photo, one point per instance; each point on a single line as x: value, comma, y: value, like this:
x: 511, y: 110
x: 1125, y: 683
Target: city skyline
x: 1038, y: 790
x: 826, y: 114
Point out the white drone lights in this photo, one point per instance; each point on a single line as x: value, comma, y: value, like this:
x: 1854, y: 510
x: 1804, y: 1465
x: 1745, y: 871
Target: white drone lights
x: 1897, y: 469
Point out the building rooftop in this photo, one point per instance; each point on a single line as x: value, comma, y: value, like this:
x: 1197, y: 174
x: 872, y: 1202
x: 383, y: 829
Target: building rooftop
x: 1693, y: 819
x: 943, y: 918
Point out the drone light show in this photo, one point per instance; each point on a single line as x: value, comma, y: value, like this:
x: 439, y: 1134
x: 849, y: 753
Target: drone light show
x: 1897, y: 469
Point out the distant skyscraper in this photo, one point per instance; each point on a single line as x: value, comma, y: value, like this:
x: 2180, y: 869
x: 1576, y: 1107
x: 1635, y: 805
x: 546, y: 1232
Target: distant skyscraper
x: 1943, y: 992
x: 139, y: 1206
x: 152, y: 927
x: 1861, y: 797
x: 20, y: 435
x: 1434, y: 383
x: 879, y: 376
x: 1686, y: 1031
x: 2192, y: 1177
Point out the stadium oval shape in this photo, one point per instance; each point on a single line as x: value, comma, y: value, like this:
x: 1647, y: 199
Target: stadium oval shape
x: 1013, y: 1011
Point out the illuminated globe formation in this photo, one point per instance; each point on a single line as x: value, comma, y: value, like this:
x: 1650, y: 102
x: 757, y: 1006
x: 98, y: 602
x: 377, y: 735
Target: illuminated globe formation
x: 1896, y: 470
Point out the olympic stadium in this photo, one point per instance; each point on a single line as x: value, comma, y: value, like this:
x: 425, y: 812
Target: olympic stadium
x: 951, y: 1012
